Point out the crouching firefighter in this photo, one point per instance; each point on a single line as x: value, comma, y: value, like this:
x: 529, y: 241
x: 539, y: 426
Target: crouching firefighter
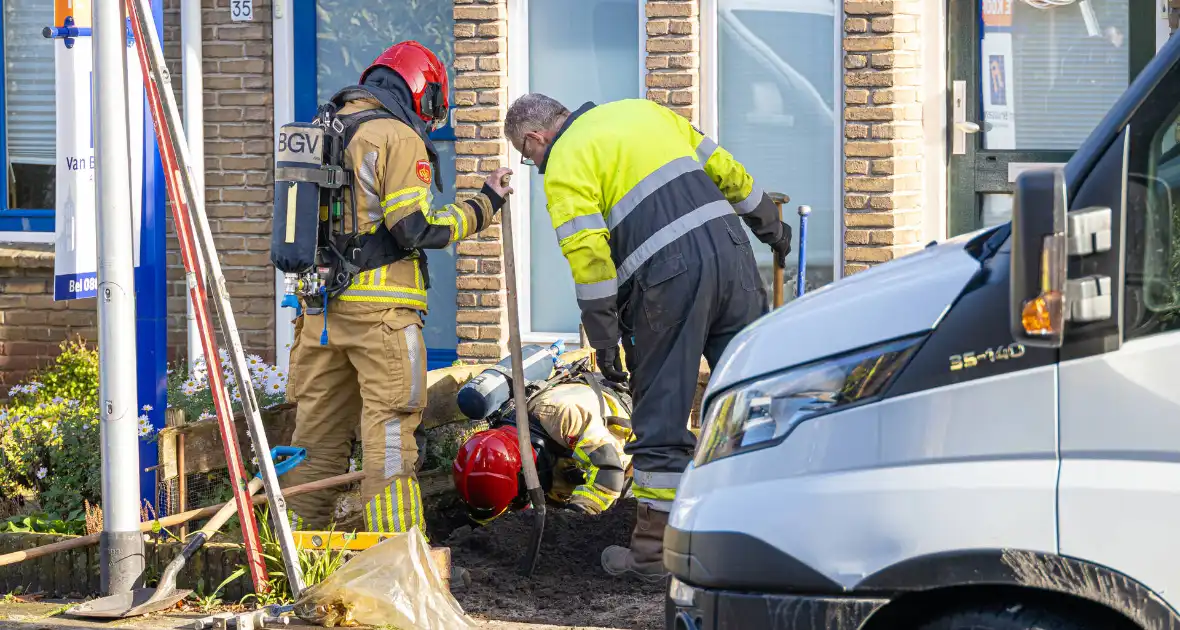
x: 578, y: 426
x: 353, y: 216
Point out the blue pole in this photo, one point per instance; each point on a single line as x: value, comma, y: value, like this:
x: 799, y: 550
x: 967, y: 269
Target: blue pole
x: 801, y: 279
x: 151, y: 287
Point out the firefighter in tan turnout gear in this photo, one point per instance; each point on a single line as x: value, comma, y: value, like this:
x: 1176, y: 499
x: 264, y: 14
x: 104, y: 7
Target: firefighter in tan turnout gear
x: 579, y: 428
x: 359, y: 355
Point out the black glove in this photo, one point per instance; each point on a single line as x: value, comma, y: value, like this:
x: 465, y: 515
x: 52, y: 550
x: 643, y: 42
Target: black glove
x: 782, y: 247
x: 610, y: 364
x: 573, y: 507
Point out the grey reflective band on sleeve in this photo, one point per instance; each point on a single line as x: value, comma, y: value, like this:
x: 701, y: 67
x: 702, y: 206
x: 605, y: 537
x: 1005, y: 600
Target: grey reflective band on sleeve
x: 577, y: 224
x: 649, y: 185
x: 657, y: 480
x: 747, y: 205
x: 669, y: 233
x: 705, y: 149
x: 596, y: 290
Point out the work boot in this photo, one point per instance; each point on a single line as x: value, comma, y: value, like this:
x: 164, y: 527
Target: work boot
x: 645, y: 558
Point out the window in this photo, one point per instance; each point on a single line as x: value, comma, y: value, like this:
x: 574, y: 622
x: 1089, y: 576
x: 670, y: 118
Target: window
x: 27, y: 128
x: 1070, y: 63
x: 1153, y: 214
x: 775, y: 91
x: 576, y: 51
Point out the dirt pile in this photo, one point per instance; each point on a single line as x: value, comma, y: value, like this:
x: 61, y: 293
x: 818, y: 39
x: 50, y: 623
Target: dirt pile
x: 568, y: 587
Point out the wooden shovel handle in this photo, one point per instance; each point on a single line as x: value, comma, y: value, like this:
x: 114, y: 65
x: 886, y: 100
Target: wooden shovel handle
x: 176, y: 519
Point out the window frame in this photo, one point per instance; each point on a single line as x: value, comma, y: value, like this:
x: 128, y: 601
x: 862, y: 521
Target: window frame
x: 710, y: 109
x: 18, y: 225
x: 1142, y: 160
x: 518, y: 85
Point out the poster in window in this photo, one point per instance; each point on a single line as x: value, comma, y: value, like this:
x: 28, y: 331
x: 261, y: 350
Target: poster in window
x: 999, y: 121
x: 75, y: 273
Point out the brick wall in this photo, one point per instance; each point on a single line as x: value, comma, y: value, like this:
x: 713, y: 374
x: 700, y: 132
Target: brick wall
x: 673, y: 55
x: 883, y: 129
x: 31, y: 323
x: 239, y: 178
x: 480, y: 77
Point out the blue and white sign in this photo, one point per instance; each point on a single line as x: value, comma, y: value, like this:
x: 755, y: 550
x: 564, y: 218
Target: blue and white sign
x: 75, y: 273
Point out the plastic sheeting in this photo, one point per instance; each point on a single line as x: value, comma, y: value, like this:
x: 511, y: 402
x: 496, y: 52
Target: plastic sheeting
x: 392, y: 583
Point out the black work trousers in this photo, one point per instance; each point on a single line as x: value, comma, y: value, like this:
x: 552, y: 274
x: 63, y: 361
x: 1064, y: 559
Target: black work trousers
x: 688, y: 301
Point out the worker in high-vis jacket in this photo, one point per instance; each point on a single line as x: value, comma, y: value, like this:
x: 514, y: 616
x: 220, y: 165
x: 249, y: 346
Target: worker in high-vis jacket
x: 362, y: 359
x: 580, y: 458
x: 648, y: 211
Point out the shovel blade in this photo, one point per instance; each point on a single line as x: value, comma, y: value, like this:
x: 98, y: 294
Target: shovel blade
x: 141, y: 601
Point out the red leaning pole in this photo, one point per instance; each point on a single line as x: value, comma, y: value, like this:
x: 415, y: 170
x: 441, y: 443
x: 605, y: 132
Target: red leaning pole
x: 196, y: 283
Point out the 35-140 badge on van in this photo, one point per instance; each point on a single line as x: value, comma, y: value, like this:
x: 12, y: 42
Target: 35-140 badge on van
x: 991, y: 355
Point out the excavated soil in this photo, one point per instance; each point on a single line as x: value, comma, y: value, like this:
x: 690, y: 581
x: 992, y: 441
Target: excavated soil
x: 568, y: 587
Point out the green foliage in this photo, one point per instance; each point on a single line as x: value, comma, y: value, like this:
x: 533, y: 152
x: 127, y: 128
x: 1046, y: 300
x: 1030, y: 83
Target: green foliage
x: 43, y: 523
x: 49, y: 434
x: 316, y: 565
x: 50, y: 450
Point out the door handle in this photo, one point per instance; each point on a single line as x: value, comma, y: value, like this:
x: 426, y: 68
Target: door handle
x: 960, y: 126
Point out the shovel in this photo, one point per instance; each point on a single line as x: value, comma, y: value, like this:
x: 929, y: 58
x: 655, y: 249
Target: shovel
x: 531, y: 481
x: 142, y: 601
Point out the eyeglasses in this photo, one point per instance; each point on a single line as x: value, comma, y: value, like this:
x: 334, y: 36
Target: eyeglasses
x: 524, y: 146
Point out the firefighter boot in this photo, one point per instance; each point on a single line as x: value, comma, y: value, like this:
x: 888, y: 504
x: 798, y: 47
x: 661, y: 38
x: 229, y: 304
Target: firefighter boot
x: 645, y: 558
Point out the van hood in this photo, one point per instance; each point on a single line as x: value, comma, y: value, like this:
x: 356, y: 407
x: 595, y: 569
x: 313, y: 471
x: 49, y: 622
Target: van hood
x: 904, y: 297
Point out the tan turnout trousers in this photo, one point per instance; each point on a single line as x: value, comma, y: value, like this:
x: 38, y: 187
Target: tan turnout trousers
x: 373, y: 371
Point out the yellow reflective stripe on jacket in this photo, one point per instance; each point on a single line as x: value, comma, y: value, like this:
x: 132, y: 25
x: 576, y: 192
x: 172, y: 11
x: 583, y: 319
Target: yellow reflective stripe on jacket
x: 375, y: 286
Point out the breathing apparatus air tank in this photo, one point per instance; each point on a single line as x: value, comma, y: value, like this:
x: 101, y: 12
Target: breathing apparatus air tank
x: 493, y: 387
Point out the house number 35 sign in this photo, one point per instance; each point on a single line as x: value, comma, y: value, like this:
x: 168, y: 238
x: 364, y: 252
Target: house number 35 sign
x: 241, y: 10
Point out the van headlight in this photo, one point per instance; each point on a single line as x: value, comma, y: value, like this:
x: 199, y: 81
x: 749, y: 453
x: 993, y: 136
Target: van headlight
x: 762, y: 413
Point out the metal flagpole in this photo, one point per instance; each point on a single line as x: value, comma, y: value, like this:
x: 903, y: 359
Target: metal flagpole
x: 121, y: 544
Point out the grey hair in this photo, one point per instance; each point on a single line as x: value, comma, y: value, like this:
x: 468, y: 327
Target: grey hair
x: 533, y: 112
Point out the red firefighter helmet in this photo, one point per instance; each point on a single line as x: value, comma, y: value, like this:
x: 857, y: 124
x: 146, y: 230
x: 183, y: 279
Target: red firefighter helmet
x: 424, y: 73
x: 487, y: 472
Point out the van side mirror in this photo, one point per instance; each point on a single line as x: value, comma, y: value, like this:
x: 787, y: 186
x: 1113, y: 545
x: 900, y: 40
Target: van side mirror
x: 1039, y: 259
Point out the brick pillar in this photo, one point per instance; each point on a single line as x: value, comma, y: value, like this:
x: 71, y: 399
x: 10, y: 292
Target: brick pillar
x: 883, y: 127
x: 481, y: 57
x: 673, y: 55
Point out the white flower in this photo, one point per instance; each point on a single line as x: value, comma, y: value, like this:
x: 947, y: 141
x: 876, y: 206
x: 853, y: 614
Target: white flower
x: 188, y: 388
x: 41, y: 472
x: 57, y: 400
x: 254, y: 460
x: 19, y: 389
x: 170, y: 371
x: 351, y: 464
x: 146, y: 408
x: 205, y: 415
x: 223, y: 354
x: 145, y: 426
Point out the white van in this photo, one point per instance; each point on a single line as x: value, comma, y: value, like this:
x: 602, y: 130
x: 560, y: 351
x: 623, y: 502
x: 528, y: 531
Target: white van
x: 983, y: 435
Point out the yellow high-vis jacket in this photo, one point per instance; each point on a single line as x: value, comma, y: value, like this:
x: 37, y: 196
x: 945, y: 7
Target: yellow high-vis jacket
x: 391, y: 187
x: 625, y: 179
